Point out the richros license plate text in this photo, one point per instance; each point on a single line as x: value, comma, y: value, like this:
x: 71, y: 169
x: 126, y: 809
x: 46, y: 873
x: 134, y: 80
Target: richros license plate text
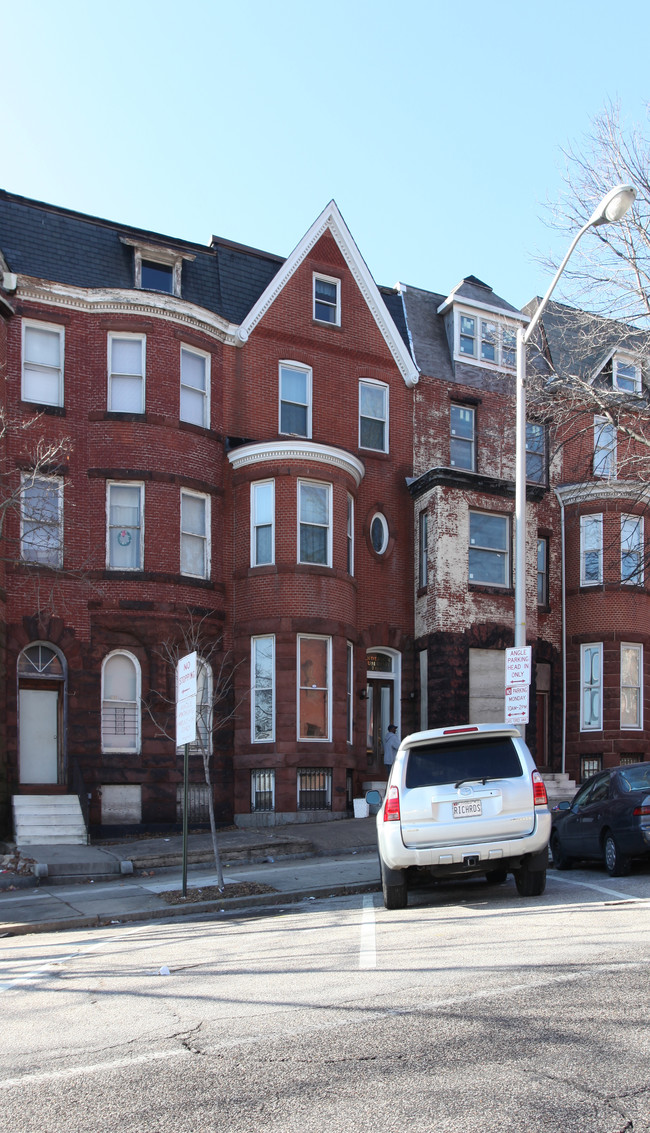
x: 467, y: 810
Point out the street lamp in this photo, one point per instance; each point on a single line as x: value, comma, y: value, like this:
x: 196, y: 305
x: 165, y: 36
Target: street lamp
x: 611, y: 209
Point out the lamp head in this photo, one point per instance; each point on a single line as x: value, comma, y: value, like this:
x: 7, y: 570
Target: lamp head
x: 613, y: 206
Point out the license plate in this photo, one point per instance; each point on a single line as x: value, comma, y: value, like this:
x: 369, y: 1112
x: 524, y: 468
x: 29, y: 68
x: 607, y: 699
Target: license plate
x: 467, y: 809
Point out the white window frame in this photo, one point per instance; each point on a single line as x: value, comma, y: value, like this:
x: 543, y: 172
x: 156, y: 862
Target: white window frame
x: 298, y: 367
x: 336, y: 306
x: 112, y: 337
x: 134, y: 748
x: 350, y: 691
x: 590, y: 685
x: 456, y: 436
x: 543, y: 572
x: 206, y: 538
x: 29, y: 551
x: 54, y: 372
x: 327, y: 688
x: 490, y: 332
x: 591, y: 542
x: 205, y: 394
x: 328, y: 487
x: 638, y: 649
x: 124, y: 484
x: 255, y: 525
x: 350, y: 535
x: 604, y: 453
x: 632, y: 544
x: 384, y: 532
x: 363, y: 382
x: 628, y: 361
x: 505, y: 550
x: 266, y: 739
x: 535, y: 452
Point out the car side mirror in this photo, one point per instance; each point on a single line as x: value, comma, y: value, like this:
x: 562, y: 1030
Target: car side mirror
x: 373, y: 798
x: 564, y: 805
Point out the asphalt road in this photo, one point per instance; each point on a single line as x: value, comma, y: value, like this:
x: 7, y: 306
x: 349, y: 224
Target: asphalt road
x: 473, y: 1009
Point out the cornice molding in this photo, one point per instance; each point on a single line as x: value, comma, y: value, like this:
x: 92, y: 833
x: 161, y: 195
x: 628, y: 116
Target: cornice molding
x: 264, y: 451
x: 331, y: 220
x: 120, y: 301
x: 603, y: 490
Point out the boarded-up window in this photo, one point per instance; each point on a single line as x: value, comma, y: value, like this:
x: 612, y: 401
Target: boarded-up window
x: 487, y: 678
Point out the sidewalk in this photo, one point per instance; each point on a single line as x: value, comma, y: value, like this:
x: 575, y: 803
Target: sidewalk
x: 83, y: 886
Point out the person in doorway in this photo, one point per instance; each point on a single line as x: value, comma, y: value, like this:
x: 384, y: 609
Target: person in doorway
x: 391, y: 744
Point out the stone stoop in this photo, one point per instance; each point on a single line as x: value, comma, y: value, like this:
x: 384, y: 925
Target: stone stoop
x: 48, y: 820
x: 559, y: 787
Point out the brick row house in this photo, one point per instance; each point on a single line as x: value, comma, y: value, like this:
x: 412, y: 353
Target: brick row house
x: 317, y: 471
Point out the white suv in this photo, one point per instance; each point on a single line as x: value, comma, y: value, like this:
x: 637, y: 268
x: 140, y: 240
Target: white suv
x: 459, y: 801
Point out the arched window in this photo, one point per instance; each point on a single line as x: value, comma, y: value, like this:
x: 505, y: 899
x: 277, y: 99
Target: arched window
x: 203, y: 742
x: 120, y: 703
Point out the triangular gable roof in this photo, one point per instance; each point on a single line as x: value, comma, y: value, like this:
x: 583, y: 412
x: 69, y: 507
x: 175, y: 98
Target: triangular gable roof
x: 331, y: 220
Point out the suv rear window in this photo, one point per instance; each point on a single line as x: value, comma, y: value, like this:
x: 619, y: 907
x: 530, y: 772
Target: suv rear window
x: 435, y: 764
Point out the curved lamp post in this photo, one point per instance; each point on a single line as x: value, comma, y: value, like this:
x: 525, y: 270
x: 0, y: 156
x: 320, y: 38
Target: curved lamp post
x: 611, y: 209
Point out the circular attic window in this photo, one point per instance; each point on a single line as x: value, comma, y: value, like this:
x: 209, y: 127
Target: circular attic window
x: 379, y: 533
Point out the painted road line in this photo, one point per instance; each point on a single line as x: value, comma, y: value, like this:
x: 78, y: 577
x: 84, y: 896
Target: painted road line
x: 368, y: 943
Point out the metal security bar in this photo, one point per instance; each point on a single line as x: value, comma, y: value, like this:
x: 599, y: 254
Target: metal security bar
x: 197, y: 803
x: 315, y: 788
x: 262, y: 790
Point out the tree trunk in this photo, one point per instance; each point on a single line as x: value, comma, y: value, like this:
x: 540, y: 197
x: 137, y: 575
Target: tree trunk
x: 213, y: 827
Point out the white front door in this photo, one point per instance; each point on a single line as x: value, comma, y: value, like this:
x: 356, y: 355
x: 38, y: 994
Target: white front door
x: 39, y: 735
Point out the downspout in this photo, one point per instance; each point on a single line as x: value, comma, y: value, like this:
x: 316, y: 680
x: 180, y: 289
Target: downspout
x: 563, y: 554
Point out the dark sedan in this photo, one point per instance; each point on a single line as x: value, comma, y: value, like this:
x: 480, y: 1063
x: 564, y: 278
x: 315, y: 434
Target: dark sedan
x: 608, y: 820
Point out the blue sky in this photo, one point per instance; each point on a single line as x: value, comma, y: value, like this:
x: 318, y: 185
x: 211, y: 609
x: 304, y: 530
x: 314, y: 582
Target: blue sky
x: 436, y: 127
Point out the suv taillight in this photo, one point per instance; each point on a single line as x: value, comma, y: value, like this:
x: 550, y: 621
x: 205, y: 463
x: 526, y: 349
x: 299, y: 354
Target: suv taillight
x: 540, y: 798
x: 391, y: 807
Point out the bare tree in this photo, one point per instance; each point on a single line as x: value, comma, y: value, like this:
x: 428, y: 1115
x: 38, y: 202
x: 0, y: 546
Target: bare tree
x: 22, y: 446
x: 215, y: 707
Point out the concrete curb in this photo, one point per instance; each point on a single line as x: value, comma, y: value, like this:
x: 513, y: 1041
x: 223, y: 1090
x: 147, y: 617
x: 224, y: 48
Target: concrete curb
x: 220, y: 909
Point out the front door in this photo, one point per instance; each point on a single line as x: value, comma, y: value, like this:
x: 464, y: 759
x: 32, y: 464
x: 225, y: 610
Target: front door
x: 39, y: 735
x: 380, y: 703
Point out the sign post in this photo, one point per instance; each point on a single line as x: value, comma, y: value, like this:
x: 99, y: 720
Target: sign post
x: 185, y: 732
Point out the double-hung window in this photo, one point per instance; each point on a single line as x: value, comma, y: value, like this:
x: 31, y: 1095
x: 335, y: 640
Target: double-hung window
x: 295, y: 399
x: 349, y: 700
x: 626, y: 374
x: 195, y: 386
x: 263, y: 689
x: 631, y: 686
x: 350, y: 536
x: 195, y: 534
x: 126, y: 370
x: 314, y: 687
x: 262, y: 522
x: 591, y: 681
x: 41, y: 529
x: 373, y: 416
x: 120, y: 703
x: 327, y: 299
x: 42, y: 380
x: 489, y: 549
x: 486, y: 340
x: 632, y: 550
x: 604, y: 448
x: 462, y: 442
x: 125, y: 528
x: 591, y: 549
x: 315, y: 523
x: 535, y: 453
x: 542, y: 571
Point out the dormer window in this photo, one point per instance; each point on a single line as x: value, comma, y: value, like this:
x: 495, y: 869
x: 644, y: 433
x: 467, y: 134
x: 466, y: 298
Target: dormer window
x: 485, y: 341
x: 156, y: 267
x: 626, y: 374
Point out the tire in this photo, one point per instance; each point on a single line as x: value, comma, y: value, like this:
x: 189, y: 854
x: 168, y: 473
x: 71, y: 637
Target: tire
x: 560, y: 859
x: 616, y: 863
x: 530, y: 882
x: 496, y: 876
x: 393, y: 887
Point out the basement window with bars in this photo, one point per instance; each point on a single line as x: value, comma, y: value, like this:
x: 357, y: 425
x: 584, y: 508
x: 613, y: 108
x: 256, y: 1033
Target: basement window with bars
x: 262, y: 790
x: 315, y: 788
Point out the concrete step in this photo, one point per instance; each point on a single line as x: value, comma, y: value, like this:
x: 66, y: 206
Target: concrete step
x: 48, y: 820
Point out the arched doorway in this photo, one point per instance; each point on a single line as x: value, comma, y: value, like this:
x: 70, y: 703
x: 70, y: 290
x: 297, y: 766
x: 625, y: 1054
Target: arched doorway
x: 383, y: 699
x: 41, y: 696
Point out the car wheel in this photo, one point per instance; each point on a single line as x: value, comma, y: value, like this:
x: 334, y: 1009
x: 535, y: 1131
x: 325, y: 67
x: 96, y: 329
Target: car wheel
x: 393, y: 887
x: 530, y: 882
x: 496, y: 876
x: 616, y: 863
x: 560, y: 859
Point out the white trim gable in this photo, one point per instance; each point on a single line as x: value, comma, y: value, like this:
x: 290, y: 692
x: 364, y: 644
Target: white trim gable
x: 331, y: 220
